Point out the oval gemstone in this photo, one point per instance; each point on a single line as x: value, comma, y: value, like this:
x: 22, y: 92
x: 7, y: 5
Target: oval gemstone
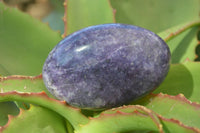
x: 105, y: 66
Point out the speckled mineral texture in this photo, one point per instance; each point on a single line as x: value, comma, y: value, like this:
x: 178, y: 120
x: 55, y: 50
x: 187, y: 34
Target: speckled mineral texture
x: 106, y: 66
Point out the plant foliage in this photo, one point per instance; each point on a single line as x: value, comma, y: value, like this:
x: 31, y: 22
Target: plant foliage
x: 27, y: 106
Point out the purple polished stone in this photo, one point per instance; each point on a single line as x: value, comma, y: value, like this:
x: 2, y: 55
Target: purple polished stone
x: 106, y: 66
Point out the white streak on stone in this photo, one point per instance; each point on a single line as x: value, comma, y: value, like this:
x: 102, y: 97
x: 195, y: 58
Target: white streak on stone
x: 79, y: 49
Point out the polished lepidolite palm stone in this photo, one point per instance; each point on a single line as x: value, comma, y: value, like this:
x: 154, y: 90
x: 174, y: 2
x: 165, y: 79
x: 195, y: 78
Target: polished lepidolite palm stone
x: 106, y: 66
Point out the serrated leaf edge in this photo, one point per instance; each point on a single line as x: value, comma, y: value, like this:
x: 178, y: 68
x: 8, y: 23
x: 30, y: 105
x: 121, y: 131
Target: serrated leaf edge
x: 178, y: 123
x: 186, y: 26
x: 76, y: 117
x: 180, y: 97
x: 136, y: 110
x: 10, y: 118
x: 20, y: 77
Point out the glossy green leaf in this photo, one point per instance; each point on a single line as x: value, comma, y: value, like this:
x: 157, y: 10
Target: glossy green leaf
x: 134, y: 118
x: 36, y: 120
x: 178, y: 71
x: 119, y: 122
x: 156, y: 15
x: 84, y: 13
x: 166, y: 125
x: 7, y: 108
x: 25, y: 42
x: 23, y: 84
x: 183, y: 46
x: 176, y: 107
x: 175, y: 126
x: 172, y: 32
x: 182, y: 78
x: 182, y: 41
x: 73, y: 115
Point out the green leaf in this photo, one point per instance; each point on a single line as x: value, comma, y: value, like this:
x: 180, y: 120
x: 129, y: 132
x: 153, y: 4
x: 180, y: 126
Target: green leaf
x: 25, y: 42
x: 176, y: 107
x: 182, y: 46
x: 182, y: 78
x: 7, y: 108
x: 134, y: 118
x: 164, y: 124
x: 36, y: 120
x: 119, y: 122
x: 73, y: 115
x: 83, y: 13
x: 154, y: 14
x: 23, y: 84
x: 175, y: 126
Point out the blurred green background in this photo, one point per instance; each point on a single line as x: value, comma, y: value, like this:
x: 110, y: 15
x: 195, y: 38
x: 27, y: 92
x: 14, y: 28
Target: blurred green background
x: 155, y: 15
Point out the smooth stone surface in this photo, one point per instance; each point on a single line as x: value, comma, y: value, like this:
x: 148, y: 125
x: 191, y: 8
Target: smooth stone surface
x: 106, y: 66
